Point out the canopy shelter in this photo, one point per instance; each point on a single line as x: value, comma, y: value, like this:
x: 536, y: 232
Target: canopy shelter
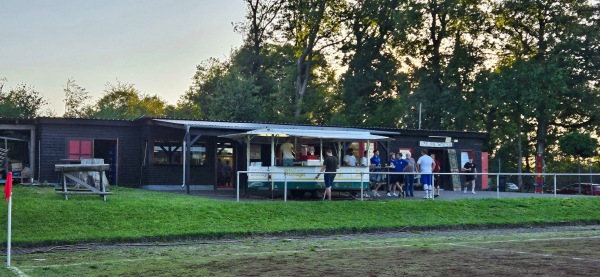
x: 320, y: 134
x: 264, y: 133
x: 332, y: 135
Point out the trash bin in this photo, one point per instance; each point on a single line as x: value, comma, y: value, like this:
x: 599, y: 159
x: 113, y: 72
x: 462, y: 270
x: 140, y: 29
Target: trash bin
x: 503, y: 183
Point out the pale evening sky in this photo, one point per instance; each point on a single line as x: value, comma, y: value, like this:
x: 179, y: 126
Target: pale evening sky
x: 153, y: 44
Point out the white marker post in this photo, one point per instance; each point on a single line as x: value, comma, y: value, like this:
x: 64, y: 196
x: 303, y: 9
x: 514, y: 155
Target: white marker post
x: 8, y: 195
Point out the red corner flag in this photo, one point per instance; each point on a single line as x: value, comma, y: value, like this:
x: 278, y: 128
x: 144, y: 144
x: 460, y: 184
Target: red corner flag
x: 8, y: 186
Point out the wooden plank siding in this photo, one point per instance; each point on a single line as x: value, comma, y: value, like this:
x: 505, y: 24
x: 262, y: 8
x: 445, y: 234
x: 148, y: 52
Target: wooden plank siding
x: 52, y: 135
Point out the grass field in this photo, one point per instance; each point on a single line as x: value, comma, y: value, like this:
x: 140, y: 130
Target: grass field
x: 309, y: 238
x: 511, y: 252
x: 42, y: 217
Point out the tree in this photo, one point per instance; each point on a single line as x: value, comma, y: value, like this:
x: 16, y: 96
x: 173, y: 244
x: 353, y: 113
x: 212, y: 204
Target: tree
x: 223, y: 92
x: 21, y: 102
x: 578, y: 145
x: 311, y: 25
x: 372, y: 78
x: 544, y: 41
x: 261, y: 16
x: 124, y: 101
x: 75, y: 100
x: 445, y: 53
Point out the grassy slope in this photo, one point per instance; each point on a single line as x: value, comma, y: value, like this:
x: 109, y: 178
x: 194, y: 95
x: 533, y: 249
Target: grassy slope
x: 41, y: 216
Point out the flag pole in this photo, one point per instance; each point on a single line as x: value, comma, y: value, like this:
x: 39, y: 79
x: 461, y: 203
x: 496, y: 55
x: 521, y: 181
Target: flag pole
x: 9, y: 231
x: 8, y: 195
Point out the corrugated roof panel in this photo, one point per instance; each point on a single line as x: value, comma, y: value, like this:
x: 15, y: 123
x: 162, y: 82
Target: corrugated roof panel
x: 248, y: 126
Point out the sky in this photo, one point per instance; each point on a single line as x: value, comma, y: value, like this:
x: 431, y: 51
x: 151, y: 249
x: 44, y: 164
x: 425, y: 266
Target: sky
x: 153, y: 44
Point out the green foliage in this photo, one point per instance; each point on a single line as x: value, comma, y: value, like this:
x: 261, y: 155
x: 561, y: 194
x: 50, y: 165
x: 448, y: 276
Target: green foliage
x: 222, y: 92
x: 75, y: 100
x: 579, y: 145
x: 20, y: 102
x: 124, y: 101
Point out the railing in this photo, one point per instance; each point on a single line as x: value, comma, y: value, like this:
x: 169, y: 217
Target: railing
x: 497, y: 175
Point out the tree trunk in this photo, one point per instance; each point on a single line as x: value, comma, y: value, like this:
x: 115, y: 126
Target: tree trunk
x: 520, y: 149
x: 305, y: 59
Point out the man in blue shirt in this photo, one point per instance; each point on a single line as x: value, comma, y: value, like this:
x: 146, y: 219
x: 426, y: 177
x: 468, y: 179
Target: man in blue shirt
x: 399, y: 165
x: 376, y: 179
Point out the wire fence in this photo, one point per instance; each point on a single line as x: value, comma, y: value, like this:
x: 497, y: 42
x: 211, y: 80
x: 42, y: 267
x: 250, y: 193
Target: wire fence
x: 551, y: 182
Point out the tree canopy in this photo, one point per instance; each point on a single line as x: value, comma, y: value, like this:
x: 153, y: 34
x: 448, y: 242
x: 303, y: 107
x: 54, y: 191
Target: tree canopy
x: 525, y: 71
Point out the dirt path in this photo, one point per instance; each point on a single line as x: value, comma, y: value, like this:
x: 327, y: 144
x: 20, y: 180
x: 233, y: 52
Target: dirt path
x: 546, y: 251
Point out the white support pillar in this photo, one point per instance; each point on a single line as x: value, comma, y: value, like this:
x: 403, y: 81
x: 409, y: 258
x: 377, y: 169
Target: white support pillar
x: 247, y: 152
x: 273, y: 151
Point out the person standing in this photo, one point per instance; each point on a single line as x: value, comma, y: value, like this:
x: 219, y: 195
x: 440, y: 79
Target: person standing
x: 220, y: 167
x: 349, y: 159
x: 227, y: 170
x: 437, y: 180
x: 392, y: 177
x: 287, y: 152
x: 409, y: 178
x: 363, y: 159
x: 469, y: 167
x: 364, y: 162
x: 425, y: 165
x: 376, y: 179
x: 399, y: 167
x: 330, y: 164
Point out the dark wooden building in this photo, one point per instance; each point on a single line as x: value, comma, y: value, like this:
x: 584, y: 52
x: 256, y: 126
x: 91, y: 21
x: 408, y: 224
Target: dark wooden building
x: 166, y: 154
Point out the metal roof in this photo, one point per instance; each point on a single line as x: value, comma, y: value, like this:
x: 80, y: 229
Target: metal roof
x: 306, y: 133
x: 249, y: 126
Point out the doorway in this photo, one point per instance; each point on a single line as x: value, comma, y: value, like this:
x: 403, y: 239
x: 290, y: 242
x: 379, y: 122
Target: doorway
x: 440, y: 180
x: 225, y: 166
x: 107, y: 149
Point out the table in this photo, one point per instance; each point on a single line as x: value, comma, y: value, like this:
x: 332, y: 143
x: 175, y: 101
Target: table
x: 71, y: 171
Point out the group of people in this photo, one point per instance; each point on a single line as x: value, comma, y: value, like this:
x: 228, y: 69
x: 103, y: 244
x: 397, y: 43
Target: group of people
x: 399, y: 185
x: 224, y: 172
x: 403, y: 185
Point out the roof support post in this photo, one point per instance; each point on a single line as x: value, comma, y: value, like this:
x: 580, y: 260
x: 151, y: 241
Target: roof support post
x: 273, y: 150
x: 247, y: 152
x: 186, y: 159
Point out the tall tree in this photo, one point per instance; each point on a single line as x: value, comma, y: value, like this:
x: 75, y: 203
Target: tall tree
x: 75, y: 100
x: 544, y: 43
x: 372, y: 77
x: 445, y: 53
x: 311, y: 25
x: 261, y: 16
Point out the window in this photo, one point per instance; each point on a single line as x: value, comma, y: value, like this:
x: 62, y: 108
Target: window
x: 79, y: 149
x: 171, y: 152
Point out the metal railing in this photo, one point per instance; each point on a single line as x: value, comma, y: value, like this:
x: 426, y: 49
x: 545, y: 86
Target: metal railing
x: 496, y: 175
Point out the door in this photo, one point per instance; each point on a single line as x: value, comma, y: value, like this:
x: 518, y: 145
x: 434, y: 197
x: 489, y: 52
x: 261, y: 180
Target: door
x: 225, y: 165
x: 107, y: 149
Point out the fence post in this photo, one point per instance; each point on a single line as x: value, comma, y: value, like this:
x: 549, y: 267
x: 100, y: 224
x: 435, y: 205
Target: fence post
x: 237, y: 189
x: 498, y: 185
x: 554, y: 185
x: 284, y: 186
x: 361, y: 187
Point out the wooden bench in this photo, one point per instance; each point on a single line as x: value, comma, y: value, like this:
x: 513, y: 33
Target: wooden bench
x: 71, y: 172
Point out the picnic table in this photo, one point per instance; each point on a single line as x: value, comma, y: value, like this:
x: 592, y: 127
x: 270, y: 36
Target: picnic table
x: 74, y: 172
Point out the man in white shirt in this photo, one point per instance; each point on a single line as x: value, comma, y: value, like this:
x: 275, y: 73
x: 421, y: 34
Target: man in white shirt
x: 425, y: 165
x: 287, y: 153
x: 349, y: 159
x: 364, y: 161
